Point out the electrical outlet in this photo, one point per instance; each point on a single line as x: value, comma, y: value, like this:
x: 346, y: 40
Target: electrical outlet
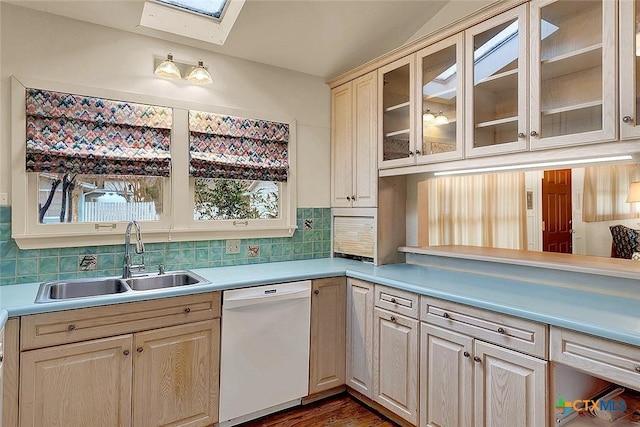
x: 4, y: 199
x: 233, y: 246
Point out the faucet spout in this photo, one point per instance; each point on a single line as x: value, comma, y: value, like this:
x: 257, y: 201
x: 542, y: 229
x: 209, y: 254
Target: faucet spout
x: 127, y: 267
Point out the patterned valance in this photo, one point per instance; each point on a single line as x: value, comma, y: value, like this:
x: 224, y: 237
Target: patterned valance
x: 237, y: 148
x: 79, y: 134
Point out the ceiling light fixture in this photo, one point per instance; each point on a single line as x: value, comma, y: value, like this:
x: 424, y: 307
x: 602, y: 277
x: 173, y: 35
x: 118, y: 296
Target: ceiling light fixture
x: 441, y: 119
x: 200, y: 75
x: 534, y: 165
x: 174, y: 70
x: 168, y: 69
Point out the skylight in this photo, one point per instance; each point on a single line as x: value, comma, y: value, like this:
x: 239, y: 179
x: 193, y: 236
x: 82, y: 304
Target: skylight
x: 212, y: 8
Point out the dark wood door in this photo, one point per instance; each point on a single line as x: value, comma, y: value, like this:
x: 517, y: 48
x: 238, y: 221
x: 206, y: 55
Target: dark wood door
x: 556, y: 211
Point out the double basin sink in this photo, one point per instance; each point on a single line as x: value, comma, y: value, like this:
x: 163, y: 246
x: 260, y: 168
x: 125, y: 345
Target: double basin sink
x: 61, y: 290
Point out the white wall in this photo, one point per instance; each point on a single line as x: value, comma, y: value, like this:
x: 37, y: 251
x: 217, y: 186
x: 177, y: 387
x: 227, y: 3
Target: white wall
x: 44, y: 46
x: 450, y: 13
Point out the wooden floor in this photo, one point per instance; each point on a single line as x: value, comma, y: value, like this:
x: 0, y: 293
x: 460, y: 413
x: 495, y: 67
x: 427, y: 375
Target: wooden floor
x: 338, y: 411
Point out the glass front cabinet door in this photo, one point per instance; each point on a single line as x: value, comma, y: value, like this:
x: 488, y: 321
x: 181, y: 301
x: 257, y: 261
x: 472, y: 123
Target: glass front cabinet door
x: 629, y: 69
x: 395, y: 89
x: 573, y: 72
x: 496, y: 84
x: 439, y: 113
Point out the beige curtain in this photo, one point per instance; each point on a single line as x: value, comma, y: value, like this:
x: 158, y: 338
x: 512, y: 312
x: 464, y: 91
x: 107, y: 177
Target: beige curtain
x: 605, y: 192
x: 475, y: 210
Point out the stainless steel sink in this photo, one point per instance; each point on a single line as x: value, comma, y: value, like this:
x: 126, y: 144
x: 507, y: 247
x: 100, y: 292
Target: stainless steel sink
x: 61, y: 290
x: 80, y: 288
x: 162, y: 281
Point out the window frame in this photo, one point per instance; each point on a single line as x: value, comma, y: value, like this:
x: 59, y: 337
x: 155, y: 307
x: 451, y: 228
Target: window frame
x: 175, y: 224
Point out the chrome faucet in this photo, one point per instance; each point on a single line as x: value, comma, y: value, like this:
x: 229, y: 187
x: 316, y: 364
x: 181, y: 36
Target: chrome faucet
x: 127, y: 267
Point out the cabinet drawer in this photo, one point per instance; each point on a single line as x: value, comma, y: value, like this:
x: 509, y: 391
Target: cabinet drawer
x: 507, y: 331
x: 402, y: 302
x: 609, y: 360
x: 48, y: 329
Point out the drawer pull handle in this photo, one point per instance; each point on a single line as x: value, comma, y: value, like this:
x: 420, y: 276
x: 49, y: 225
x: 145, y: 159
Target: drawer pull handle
x: 71, y: 327
x: 187, y: 310
x: 477, y: 359
x: 126, y: 352
x: 466, y: 354
x: 501, y: 330
x: 637, y: 368
x: 445, y: 315
x: 393, y: 319
x: 317, y: 292
x: 139, y: 349
x: 393, y: 300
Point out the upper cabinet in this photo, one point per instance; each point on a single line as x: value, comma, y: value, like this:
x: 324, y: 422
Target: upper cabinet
x: 496, y: 89
x: 629, y: 69
x: 354, y: 163
x: 573, y: 72
x: 440, y: 108
x: 396, y: 106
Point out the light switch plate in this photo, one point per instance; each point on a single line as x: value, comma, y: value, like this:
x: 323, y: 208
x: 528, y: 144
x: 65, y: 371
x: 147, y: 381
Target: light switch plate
x: 233, y: 246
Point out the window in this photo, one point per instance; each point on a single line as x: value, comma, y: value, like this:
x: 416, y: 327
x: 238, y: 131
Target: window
x: 212, y: 8
x: 605, y: 193
x: 87, y: 171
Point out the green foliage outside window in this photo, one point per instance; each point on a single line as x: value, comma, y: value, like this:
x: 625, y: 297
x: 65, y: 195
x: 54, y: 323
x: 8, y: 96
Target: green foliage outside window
x: 218, y: 199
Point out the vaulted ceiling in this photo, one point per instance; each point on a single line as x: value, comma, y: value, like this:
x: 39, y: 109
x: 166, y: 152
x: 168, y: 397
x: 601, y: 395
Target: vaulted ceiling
x: 319, y: 37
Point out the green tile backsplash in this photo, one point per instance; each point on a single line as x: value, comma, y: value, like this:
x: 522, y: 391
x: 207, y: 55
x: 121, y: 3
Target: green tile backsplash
x: 312, y: 239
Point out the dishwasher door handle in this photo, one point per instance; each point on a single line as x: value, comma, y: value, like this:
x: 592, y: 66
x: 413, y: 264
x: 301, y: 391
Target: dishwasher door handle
x: 269, y: 296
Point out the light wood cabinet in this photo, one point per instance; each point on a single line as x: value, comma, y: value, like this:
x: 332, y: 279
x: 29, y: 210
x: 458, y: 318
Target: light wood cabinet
x: 10, y: 373
x: 396, y: 83
x: 354, y: 165
x: 80, y: 384
x: 359, y: 369
x: 328, y: 329
x: 466, y: 381
x: 573, y: 72
x: 142, y: 375
x: 496, y: 84
x: 395, y: 363
x: 175, y: 375
x: 629, y: 69
x: 440, y: 95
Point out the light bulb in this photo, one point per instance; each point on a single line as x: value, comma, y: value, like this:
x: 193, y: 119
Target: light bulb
x: 200, y: 75
x: 441, y: 119
x: 168, y: 69
x: 428, y: 117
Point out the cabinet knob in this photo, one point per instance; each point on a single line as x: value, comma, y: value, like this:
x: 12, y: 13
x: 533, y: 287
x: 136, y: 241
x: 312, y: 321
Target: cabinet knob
x: 317, y: 292
x: 393, y: 319
x: 521, y: 135
x: 71, y: 327
x: 637, y: 368
x: 1, y: 357
x: 477, y: 359
x: 626, y: 119
x: 533, y: 133
x: 353, y: 198
x: 187, y: 310
x: 126, y: 352
x: 349, y: 198
x: 393, y: 300
x: 501, y: 330
x: 466, y: 354
x: 139, y: 349
x: 410, y: 153
x: 445, y: 315
x: 418, y: 152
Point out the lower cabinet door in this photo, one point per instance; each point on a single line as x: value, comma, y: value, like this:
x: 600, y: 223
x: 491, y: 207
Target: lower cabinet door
x: 446, y: 377
x: 77, y: 385
x: 510, y: 388
x: 176, y: 375
x: 359, y: 369
x: 395, y: 363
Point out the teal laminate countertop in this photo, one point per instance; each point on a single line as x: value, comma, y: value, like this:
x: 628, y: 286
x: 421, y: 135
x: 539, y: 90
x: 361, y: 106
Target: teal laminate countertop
x: 607, y: 316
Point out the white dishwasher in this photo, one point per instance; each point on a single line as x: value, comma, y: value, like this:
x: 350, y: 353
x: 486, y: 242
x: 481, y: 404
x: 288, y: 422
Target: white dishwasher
x: 264, y: 361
